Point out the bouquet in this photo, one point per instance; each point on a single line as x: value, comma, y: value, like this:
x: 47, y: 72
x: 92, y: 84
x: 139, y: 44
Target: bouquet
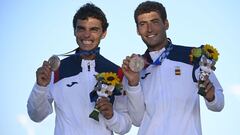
x: 206, y: 56
x: 108, y: 85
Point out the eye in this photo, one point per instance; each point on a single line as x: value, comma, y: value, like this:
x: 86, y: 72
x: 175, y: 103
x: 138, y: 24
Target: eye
x: 141, y: 24
x: 156, y: 21
x: 79, y: 29
x: 95, y: 29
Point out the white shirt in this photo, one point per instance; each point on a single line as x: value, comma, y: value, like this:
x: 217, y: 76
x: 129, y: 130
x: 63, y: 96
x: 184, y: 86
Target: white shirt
x: 73, y: 106
x: 165, y: 103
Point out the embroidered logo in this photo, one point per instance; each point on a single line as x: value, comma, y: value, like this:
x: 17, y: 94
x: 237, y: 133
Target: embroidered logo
x: 145, y: 75
x: 73, y: 83
x: 177, y: 70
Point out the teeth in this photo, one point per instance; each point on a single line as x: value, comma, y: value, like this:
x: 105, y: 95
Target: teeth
x: 87, y: 42
x: 151, y: 36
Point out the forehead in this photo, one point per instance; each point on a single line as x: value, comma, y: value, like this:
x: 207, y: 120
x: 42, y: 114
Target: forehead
x: 89, y: 22
x: 148, y: 16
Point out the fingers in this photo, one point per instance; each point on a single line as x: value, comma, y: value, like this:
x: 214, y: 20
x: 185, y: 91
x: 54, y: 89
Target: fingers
x: 125, y: 64
x: 103, y: 104
x: 46, y: 65
x: 208, y: 85
x: 126, y: 61
x: 209, y: 89
x: 45, y: 69
x: 43, y: 74
x: 105, y: 107
x: 134, y: 55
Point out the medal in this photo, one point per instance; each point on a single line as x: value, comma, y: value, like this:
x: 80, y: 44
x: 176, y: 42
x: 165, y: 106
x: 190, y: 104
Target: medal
x: 54, y: 62
x: 136, y: 63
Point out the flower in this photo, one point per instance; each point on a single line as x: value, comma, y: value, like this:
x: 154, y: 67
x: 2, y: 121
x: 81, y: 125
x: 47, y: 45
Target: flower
x: 109, y: 82
x: 205, y: 57
x: 209, y: 51
x: 109, y: 78
x: 195, y: 53
x: 108, y: 85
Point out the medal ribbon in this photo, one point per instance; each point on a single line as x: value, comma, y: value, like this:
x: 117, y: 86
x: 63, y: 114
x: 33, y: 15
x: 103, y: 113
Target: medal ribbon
x: 81, y: 52
x: 164, y: 55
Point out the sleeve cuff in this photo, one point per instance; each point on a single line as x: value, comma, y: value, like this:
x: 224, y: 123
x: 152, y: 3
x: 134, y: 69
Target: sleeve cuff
x: 40, y: 89
x: 212, y: 102
x: 113, y: 120
x: 134, y: 89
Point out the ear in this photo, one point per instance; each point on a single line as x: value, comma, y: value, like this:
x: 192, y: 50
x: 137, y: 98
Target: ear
x: 166, y: 24
x: 104, y: 35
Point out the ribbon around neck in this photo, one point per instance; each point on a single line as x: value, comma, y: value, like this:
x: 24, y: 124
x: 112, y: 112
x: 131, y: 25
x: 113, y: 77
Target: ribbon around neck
x: 164, y: 55
x: 81, y: 52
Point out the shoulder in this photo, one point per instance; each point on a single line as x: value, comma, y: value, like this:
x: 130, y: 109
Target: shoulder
x: 180, y: 53
x: 69, y: 66
x: 105, y: 65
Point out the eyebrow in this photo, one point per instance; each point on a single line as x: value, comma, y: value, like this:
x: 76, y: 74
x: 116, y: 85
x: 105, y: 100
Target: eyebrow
x: 95, y: 28
x: 155, y: 19
x: 80, y: 27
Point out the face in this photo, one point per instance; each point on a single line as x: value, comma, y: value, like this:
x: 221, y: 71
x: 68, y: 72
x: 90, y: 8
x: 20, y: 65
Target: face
x: 88, y: 33
x: 152, y: 30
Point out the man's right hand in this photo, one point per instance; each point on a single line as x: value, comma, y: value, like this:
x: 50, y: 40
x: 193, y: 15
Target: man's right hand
x: 43, y: 74
x: 132, y: 77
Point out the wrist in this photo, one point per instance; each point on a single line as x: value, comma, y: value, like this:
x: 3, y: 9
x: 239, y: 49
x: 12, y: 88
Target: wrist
x: 109, y: 116
x: 210, y: 99
x: 133, y: 83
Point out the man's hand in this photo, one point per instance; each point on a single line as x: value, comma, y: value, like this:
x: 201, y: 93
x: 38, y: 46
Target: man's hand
x: 43, y: 74
x: 105, y: 107
x: 209, y: 89
x: 133, y: 77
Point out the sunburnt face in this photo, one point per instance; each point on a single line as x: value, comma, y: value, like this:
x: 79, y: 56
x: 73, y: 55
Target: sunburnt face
x: 152, y: 30
x: 88, y: 33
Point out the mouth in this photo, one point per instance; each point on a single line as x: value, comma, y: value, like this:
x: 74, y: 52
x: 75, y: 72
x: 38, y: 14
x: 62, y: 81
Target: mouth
x: 87, y: 42
x: 151, y: 36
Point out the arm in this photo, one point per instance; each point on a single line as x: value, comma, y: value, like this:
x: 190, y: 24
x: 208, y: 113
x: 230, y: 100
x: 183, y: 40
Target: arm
x: 39, y: 103
x: 136, y: 105
x: 120, y: 121
x: 131, y: 83
x: 217, y: 103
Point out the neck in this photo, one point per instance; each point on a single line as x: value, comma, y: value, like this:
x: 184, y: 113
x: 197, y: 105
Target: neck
x: 88, y: 55
x: 158, y: 47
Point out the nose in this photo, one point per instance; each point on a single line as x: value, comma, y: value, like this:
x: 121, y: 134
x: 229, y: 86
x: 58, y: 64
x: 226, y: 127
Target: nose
x: 149, y: 27
x: 86, y: 34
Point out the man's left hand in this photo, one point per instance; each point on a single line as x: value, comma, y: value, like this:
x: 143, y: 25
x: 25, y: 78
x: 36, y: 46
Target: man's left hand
x: 209, y: 89
x: 105, y: 107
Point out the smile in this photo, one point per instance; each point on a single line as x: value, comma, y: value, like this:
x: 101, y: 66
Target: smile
x: 87, y: 42
x: 150, y: 36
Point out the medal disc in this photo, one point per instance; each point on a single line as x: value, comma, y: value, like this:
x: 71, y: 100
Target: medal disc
x: 136, y: 63
x: 54, y: 62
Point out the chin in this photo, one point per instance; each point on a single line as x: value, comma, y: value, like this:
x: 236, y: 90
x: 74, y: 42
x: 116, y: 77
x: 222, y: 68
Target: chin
x: 86, y: 48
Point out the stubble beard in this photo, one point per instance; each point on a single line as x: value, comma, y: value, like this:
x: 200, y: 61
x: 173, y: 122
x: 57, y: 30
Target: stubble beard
x: 156, y: 45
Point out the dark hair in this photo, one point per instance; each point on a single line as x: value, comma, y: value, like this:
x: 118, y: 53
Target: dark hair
x: 149, y: 6
x: 90, y: 10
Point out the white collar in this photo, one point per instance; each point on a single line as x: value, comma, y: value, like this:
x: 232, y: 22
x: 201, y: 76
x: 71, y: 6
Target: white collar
x: 155, y: 54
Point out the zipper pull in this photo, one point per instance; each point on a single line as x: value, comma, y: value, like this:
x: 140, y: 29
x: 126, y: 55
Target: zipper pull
x: 88, y: 65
